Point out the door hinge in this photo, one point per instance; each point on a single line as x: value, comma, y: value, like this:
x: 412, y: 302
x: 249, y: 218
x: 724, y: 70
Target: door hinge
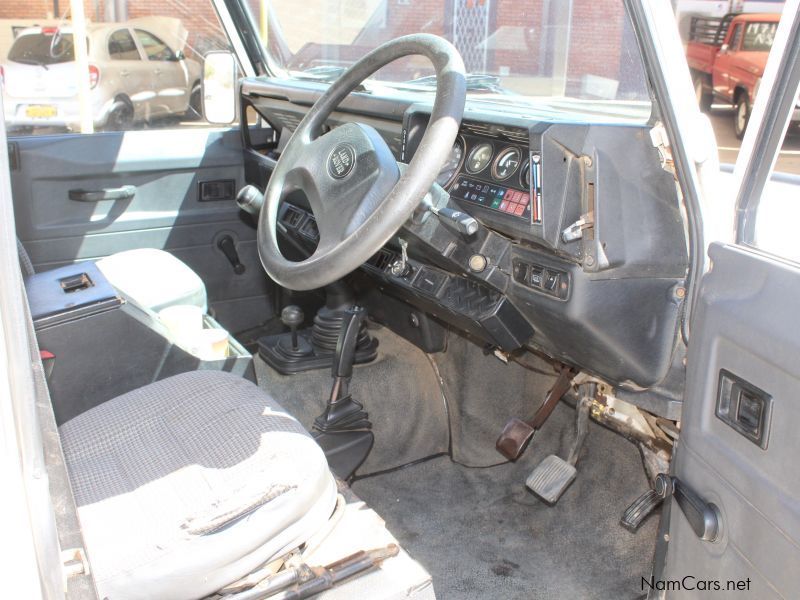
x: 660, y: 141
x: 13, y: 156
x: 75, y: 563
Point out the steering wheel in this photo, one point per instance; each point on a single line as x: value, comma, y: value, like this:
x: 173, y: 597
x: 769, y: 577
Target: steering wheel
x: 359, y: 194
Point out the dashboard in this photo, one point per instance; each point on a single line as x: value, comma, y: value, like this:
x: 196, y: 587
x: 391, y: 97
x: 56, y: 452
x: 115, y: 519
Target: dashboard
x: 580, y: 251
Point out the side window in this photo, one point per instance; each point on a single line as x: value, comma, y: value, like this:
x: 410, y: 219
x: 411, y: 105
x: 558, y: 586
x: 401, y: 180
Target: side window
x: 154, y: 48
x: 776, y: 215
x: 122, y: 47
x: 144, y: 62
x: 736, y: 39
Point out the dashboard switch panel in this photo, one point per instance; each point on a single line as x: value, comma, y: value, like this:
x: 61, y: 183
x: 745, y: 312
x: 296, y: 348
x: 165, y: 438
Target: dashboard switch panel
x: 493, y: 196
x: 542, y: 279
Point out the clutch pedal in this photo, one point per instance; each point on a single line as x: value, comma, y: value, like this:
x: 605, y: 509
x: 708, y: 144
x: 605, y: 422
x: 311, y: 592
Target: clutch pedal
x: 518, y: 433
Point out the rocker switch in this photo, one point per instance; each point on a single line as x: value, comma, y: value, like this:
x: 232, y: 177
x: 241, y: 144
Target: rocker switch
x: 744, y: 407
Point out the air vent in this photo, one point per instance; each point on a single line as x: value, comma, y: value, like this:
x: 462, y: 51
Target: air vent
x: 518, y: 135
x: 382, y: 260
x: 288, y: 119
x: 292, y: 217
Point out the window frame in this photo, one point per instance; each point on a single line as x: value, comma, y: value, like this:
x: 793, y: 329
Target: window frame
x: 136, y: 46
x: 736, y: 38
x: 173, y: 55
x: 768, y: 124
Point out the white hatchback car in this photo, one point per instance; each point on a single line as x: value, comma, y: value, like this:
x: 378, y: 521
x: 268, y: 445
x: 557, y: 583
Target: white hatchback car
x: 134, y: 76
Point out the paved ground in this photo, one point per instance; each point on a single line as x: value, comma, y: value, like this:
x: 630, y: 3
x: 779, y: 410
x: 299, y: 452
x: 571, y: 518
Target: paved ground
x: 722, y: 120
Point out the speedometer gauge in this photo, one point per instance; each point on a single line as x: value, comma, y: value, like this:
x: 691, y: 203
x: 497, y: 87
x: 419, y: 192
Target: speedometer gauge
x: 506, y: 164
x: 450, y: 168
x: 479, y: 158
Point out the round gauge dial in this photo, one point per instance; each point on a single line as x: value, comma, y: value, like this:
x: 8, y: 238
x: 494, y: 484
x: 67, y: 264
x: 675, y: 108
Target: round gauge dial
x: 506, y: 163
x: 479, y: 158
x: 525, y: 175
x: 450, y: 168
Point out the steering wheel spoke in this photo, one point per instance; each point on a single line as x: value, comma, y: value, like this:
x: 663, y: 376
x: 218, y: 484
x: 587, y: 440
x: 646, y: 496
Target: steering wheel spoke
x: 359, y: 194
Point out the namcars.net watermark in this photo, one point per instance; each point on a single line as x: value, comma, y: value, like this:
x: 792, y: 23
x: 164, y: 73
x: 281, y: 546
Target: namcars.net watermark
x: 691, y: 583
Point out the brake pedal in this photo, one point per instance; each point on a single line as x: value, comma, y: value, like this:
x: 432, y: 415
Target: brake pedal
x: 551, y: 478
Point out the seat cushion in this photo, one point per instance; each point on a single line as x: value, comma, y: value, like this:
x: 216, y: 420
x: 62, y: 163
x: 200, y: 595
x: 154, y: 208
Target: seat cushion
x: 154, y: 279
x: 189, y: 483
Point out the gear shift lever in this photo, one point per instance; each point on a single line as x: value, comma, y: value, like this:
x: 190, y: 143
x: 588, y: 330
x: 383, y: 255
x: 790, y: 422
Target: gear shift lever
x: 292, y: 317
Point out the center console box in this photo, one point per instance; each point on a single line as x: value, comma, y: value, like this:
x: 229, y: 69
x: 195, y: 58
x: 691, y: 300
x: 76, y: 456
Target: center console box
x: 96, y: 345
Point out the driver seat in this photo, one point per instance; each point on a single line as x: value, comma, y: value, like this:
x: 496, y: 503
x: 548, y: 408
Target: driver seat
x: 189, y: 483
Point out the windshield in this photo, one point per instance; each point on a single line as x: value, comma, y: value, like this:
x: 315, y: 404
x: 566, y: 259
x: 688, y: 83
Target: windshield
x: 758, y: 37
x: 514, y: 50
x: 42, y: 48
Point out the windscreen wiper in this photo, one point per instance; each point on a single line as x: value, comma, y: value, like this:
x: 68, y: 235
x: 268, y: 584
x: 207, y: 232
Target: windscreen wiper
x: 325, y: 74
x: 321, y: 73
x: 476, y: 82
x: 30, y: 61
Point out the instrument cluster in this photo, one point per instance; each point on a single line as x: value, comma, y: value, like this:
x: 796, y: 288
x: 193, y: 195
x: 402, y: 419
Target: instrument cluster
x: 492, y: 174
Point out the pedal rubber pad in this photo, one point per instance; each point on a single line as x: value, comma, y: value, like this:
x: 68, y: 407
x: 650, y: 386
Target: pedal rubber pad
x: 551, y: 478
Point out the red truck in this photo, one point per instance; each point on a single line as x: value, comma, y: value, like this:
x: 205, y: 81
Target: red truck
x: 727, y: 57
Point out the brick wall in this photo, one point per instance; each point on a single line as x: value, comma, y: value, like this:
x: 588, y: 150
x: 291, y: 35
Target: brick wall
x: 42, y: 9
x: 594, y: 43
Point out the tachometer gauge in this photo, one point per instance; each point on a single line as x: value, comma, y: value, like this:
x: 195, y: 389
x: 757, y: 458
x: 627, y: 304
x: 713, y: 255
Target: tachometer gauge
x: 453, y: 164
x: 479, y: 158
x: 506, y: 163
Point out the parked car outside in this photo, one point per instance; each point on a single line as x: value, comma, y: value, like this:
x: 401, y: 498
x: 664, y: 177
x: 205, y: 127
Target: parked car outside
x: 134, y: 75
x: 727, y: 57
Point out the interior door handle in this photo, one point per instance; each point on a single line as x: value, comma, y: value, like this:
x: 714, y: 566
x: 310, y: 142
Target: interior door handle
x: 125, y: 192
x: 703, y: 516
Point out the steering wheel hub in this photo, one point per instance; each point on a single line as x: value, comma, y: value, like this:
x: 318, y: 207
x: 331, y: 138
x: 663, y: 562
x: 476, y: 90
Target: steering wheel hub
x: 341, y: 161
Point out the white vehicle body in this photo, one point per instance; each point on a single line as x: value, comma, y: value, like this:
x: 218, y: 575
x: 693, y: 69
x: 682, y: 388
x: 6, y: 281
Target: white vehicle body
x: 135, y: 75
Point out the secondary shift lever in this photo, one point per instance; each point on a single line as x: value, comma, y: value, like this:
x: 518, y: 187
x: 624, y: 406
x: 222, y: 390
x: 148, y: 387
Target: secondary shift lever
x: 342, y: 412
x: 343, y: 430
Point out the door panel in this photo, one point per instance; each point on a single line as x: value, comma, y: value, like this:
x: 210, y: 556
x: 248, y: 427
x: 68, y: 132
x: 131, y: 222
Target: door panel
x: 166, y: 168
x: 745, y: 324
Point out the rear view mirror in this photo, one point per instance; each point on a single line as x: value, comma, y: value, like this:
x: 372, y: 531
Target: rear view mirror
x: 219, y: 88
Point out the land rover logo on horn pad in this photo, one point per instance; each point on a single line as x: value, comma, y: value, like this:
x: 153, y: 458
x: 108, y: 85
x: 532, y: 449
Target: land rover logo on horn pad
x: 341, y: 161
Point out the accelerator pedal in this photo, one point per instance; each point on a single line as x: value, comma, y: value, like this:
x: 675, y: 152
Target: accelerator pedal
x: 551, y: 478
